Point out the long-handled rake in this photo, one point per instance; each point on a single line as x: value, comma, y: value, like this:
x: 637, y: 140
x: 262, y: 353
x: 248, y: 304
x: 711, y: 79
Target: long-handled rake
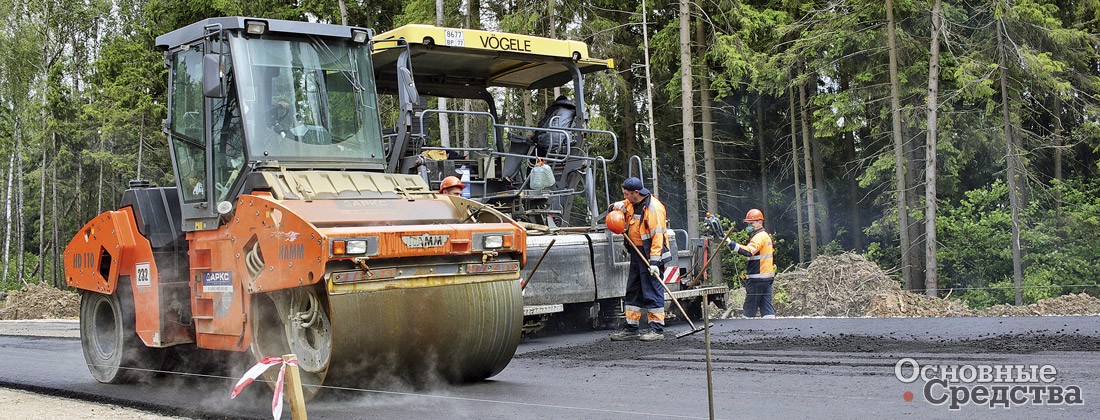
x: 645, y: 260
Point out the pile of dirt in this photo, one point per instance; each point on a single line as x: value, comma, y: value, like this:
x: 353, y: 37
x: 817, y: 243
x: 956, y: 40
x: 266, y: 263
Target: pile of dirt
x: 1078, y: 304
x: 37, y: 301
x: 850, y: 285
x: 909, y: 304
x: 833, y: 285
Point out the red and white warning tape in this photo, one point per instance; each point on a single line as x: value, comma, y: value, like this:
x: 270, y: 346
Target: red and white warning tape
x: 259, y: 369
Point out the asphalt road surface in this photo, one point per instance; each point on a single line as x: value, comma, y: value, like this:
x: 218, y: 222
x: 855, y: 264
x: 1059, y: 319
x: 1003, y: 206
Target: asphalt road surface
x: 782, y: 368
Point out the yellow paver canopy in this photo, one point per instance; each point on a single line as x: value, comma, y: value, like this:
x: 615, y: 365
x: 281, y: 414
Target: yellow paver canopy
x: 459, y: 63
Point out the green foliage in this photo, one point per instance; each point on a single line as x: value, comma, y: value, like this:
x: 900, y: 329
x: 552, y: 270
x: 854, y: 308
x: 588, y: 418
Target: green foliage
x: 15, y: 279
x: 743, y: 55
x: 975, y: 254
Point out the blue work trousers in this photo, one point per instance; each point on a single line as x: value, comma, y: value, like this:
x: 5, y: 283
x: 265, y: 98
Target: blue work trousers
x: 643, y: 291
x: 758, y: 295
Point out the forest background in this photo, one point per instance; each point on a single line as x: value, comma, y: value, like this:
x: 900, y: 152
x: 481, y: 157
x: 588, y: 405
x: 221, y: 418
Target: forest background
x: 975, y: 121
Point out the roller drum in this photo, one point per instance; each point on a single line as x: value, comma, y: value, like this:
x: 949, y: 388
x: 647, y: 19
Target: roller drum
x: 456, y: 333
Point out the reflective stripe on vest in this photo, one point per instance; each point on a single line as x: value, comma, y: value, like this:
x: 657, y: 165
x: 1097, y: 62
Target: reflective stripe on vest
x: 759, y: 257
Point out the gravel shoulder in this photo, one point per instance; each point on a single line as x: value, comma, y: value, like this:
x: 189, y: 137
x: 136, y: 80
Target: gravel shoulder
x: 22, y: 404
x: 66, y: 328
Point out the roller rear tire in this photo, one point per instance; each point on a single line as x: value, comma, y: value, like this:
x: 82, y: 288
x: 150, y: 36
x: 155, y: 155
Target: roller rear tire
x: 112, y: 349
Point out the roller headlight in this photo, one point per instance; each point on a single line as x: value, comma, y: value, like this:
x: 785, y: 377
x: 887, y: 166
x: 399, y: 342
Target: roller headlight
x: 357, y: 247
x: 493, y: 241
x: 354, y: 247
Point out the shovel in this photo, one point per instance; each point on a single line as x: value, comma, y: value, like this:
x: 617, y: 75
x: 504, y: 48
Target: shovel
x: 694, y: 329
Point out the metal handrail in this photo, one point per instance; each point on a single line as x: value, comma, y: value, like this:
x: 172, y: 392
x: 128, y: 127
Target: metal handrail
x: 568, y: 133
x: 492, y: 120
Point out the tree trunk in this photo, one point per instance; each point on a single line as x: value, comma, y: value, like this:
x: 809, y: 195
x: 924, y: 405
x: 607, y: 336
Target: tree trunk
x: 99, y: 191
x: 630, y: 145
x: 820, y: 189
x: 692, y: 193
x: 20, y: 222
x: 1010, y: 156
x: 553, y: 32
x: 914, y: 178
x: 709, y: 159
x: 473, y: 14
x: 811, y: 211
x: 466, y: 124
x: 1058, y: 167
x: 821, y: 198
x: 343, y: 13
x: 141, y: 142
x: 761, y: 140
x: 655, y: 181
x: 905, y: 246
x: 528, y: 116
x: 931, y: 284
x: 444, y: 121
x: 77, y: 188
x: 42, y: 205
x: 9, y: 202
x: 855, y: 224
x: 55, y: 272
x: 797, y: 189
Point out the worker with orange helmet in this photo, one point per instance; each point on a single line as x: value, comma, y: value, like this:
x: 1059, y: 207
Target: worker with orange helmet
x: 643, y: 223
x: 760, y: 270
x: 451, y: 186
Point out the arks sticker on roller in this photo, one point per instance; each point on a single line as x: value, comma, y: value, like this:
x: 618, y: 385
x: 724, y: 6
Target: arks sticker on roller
x: 217, y: 282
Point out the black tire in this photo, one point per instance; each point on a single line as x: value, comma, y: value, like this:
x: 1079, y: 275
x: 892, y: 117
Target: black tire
x: 274, y: 335
x: 112, y: 349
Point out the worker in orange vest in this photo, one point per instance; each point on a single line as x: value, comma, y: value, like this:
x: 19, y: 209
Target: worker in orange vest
x: 645, y: 228
x: 760, y: 270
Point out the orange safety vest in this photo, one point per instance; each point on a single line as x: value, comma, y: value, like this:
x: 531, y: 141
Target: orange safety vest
x: 761, y: 265
x: 648, y: 229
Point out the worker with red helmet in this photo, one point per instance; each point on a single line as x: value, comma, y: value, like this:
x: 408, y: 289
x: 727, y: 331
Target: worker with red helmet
x: 760, y: 270
x: 644, y: 222
x: 451, y: 186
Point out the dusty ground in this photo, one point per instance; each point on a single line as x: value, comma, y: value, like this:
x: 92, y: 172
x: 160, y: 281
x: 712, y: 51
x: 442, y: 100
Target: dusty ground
x: 19, y: 404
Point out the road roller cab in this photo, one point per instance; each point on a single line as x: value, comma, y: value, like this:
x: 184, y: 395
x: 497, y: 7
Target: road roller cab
x: 288, y: 231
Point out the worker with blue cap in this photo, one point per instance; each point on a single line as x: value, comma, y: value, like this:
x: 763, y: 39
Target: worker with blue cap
x: 645, y: 229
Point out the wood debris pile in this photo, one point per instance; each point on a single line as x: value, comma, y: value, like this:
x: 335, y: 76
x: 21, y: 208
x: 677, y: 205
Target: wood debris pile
x: 833, y: 285
x: 850, y: 285
x: 909, y: 304
x: 1078, y: 304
